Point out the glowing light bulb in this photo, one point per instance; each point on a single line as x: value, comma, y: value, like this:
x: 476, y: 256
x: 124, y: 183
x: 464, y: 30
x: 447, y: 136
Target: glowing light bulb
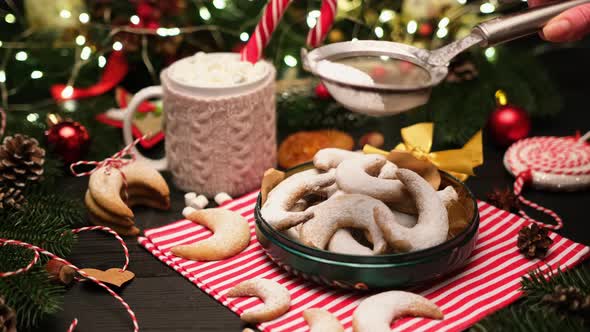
x: 312, y: 18
x: 244, y: 36
x: 162, y: 32
x: 204, y: 13
x: 219, y: 4
x: 64, y: 13
x: 86, y: 52
x: 80, y: 40
x: 462, y: 2
x: 290, y: 60
x: 21, y: 56
x: 36, y: 74
x: 67, y: 92
x: 117, y: 46
x: 102, y: 61
x: 2, y: 76
x: 386, y: 15
x: 0, y: 43
x: 134, y: 19
x: 32, y: 117
x: 173, y: 32
x: 379, y: 32
x: 84, y: 18
x: 490, y: 53
x: 70, y: 105
x: 412, y: 27
x: 487, y: 8
x: 444, y: 22
x: 442, y: 33
x: 9, y: 18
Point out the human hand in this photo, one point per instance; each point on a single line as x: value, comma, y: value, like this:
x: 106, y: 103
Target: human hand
x: 571, y: 25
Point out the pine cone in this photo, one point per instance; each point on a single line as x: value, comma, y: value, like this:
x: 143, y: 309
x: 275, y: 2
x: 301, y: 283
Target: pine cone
x: 11, y: 198
x: 504, y: 199
x: 7, y: 317
x: 533, y: 241
x: 568, y: 299
x: 21, y: 161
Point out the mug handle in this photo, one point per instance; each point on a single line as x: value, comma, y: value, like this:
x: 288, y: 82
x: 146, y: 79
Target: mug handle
x: 145, y: 93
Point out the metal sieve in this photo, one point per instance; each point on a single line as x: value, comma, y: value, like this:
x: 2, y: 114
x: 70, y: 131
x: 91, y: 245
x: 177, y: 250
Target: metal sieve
x: 385, y: 78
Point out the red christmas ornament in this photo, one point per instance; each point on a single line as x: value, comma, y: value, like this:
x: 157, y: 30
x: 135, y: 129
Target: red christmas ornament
x: 508, y: 123
x: 425, y: 29
x: 321, y: 91
x: 68, y: 139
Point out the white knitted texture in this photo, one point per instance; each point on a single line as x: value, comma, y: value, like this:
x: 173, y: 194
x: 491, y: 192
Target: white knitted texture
x: 220, y: 144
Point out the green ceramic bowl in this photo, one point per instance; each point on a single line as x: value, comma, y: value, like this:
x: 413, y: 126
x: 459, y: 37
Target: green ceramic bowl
x: 373, y: 272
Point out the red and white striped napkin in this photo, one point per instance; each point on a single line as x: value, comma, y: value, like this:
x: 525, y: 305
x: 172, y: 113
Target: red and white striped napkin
x: 490, y: 281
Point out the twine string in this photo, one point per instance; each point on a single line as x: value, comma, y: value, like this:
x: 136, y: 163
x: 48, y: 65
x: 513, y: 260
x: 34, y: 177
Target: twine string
x: 38, y: 251
x: 116, y: 161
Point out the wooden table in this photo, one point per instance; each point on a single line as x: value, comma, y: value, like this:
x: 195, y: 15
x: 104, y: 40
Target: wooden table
x: 165, y: 301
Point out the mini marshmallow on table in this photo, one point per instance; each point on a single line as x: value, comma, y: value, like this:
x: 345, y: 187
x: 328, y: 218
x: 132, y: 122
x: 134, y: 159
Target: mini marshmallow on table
x: 221, y: 198
x: 197, y: 202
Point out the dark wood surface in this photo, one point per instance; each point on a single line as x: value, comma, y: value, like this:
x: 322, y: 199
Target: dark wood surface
x: 165, y: 301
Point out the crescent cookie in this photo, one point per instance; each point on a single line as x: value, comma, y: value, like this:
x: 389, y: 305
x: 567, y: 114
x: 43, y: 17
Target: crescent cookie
x: 375, y: 313
x: 270, y: 179
x: 433, y: 223
x: 346, y: 210
x: 360, y: 176
x: 321, y: 320
x: 275, y: 296
x: 99, y: 212
x: 105, y: 187
x: 231, y: 235
x: 277, y: 209
x: 329, y: 158
x: 343, y: 242
x: 447, y: 195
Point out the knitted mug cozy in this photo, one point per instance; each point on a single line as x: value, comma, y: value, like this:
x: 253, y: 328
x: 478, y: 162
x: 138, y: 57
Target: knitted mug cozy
x: 220, y: 144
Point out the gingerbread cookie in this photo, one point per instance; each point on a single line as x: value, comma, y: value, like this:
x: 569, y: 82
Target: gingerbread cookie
x: 300, y: 147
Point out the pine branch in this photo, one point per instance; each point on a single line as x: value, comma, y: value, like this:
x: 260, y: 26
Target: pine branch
x: 521, y: 317
x: 531, y: 313
x: 538, y: 284
x: 32, y: 295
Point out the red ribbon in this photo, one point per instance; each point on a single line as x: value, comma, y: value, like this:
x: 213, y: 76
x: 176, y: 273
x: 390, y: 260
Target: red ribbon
x: 114, y: 72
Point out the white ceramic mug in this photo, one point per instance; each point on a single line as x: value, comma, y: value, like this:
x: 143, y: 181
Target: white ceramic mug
x: 218, y: 139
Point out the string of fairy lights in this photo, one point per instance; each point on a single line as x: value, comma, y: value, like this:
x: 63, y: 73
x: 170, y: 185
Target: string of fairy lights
x: 86, y: 52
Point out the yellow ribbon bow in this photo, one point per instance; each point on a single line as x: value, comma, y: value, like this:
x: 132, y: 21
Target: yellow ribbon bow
x: 417, y: 140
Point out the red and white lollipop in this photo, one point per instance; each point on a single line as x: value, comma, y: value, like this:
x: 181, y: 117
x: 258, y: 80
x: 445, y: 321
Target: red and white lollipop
x: 552, y: 163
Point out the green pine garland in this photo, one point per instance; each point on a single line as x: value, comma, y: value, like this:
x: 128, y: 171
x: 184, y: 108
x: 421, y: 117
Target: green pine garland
x: 531, y: 314
x: 44, y: 221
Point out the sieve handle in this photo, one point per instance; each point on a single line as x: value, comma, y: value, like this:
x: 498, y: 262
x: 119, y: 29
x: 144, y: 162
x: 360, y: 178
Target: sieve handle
x: 506, y: 28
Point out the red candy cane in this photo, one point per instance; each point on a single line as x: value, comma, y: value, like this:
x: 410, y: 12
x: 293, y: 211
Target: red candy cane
x: 116, y: 161
x: 327, y: 13
x: 273, y: 12
x: 37, y: 250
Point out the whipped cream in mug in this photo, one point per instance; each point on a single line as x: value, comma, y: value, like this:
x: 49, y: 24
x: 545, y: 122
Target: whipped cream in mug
x: 216, y: 70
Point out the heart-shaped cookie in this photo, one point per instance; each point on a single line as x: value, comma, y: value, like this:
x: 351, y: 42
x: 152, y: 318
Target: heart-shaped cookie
x: 112, y: 276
